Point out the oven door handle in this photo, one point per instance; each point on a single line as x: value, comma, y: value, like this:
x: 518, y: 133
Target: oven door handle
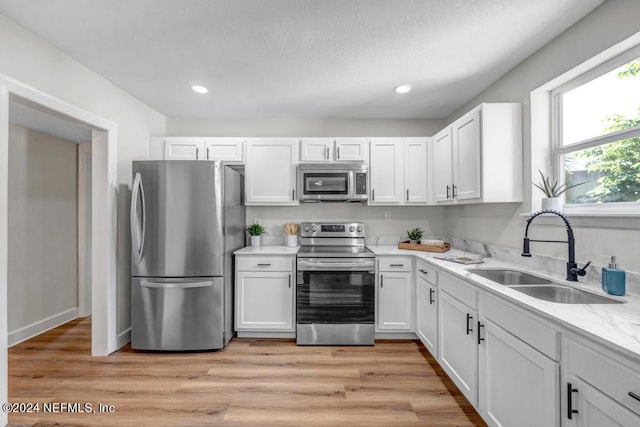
x: 332, y: 265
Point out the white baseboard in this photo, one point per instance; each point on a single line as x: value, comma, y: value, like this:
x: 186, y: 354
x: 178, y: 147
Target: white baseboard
x: 36, y: 328
x: 259, y: 334
x: 396, y: 336
x: 123, y: 338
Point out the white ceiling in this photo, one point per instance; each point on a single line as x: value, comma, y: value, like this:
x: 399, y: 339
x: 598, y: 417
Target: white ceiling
x: 300, y: 58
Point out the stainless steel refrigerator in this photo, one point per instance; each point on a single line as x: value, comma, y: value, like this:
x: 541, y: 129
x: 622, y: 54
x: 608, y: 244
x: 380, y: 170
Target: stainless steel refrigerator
x: 187, y: 218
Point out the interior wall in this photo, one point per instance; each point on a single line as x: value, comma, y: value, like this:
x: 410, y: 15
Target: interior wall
x: 289, y: 127
x: 430, y: 219
x: 35, y: 62
x: 609, y: 24
x: 43, y: 229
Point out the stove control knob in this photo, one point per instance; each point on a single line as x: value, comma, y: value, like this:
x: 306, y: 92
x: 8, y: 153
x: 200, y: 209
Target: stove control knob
x: 359, y: 229
x: 314, y: 228
x: 305, y: 228
x: 351, y: 229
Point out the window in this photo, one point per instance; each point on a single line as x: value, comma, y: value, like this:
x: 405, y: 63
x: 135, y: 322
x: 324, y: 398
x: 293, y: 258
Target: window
x: 596, y: 134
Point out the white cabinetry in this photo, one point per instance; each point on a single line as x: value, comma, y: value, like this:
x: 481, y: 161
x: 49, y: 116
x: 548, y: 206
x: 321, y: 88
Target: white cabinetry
x: 457, y: 314
x: 478, y: 158
x: 427, y: 306
x: 599, y: 388
x: 517, y: 383
x: 334, y: 150
x: 270, y: 174
x: 194, y: 148
x: 398, y: 171
x: 265, y: 294
x: 395, y: 294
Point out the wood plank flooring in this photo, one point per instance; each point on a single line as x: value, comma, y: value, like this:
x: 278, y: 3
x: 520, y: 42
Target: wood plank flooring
x: 250, y: 382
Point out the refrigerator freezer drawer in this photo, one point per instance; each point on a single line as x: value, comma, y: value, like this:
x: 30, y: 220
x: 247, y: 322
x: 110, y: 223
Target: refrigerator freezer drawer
x: 177, y: 314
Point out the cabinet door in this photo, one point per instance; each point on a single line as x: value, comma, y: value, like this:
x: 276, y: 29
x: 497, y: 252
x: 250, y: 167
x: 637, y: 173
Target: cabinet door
x: 351, y: 150
x: 466, y: 156
x: 415, y: 171
x: 224, y: 149
x: 442, y: 166
x: 316, y: 150
x: 458, y: 346
x: 385, y: 172
x: 183, y: 149
x: 395, y: 311
x: 593, y: 409
x: 517, y: 384
x: 264, y: 301
x: 270, y: 172
x: 427, y: 327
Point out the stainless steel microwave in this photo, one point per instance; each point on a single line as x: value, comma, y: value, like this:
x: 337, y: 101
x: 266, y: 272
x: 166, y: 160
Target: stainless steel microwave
x: 332, y: 182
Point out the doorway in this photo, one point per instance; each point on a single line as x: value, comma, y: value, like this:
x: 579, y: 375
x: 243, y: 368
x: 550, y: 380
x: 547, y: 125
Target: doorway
x: 103, y: 217
x: 49, y: 220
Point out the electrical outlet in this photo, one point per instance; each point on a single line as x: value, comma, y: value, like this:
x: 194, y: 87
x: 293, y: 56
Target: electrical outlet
x: 387, y: 215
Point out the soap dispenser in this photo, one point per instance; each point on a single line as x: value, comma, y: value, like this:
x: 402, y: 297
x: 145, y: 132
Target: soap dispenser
x: 613, y: 279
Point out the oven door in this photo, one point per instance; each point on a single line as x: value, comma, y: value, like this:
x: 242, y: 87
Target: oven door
x: 336, y: 291
x: 324, y: 185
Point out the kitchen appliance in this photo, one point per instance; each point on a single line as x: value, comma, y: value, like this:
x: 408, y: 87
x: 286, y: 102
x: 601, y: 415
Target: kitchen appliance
x: 332, y: 182
x: 335, y: 285
x: 187, y: 218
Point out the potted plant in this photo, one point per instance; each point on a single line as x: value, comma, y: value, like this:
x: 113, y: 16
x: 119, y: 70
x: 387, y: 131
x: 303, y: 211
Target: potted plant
x: 415, y: 235
x: 553, y: 191
x: 255, y: 230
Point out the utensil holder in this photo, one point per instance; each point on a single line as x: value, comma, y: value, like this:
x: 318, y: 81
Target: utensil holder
x: 292, y: 240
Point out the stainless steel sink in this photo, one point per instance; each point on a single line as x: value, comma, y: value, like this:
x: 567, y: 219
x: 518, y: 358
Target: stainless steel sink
x: 564, y: 294
x: 509, y: 277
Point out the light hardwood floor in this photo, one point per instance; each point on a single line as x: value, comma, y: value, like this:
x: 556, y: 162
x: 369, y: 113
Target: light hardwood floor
x: 250, y: 382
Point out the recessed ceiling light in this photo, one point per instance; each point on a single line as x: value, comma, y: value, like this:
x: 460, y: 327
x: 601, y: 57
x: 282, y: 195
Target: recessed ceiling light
x: 199, y: 89
x: 402, y: 88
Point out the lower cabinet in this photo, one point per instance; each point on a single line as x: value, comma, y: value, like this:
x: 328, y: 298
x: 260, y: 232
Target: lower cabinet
x: 395, y: 295
x: 518, y: 386
x: 458, y: 346
x: 265, y: 299
x: 427, y: 324
x: 588, y: 407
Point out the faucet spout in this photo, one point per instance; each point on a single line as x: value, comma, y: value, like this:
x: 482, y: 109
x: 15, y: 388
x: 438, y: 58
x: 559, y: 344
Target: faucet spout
x: 572, y: 268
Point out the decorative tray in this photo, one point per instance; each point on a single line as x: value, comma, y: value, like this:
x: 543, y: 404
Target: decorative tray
x: 427, y: 248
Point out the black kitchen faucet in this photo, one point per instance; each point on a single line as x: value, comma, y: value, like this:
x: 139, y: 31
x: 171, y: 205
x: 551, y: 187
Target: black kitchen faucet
x: 572, y: 268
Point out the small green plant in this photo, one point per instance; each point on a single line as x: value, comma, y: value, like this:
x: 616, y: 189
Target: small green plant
x: 255, y: 229
x: 415, y: 234
x: 553, y: 189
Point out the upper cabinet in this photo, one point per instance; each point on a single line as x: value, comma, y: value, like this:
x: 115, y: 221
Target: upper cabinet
x: 270, y: 172
x: 334, y: 150
x: 398, y: 171
x: 478, y: 158
x: 188, y: 148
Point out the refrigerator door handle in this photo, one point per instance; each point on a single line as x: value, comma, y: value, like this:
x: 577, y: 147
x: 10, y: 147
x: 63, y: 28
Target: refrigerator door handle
x: 165, y: 285
x: 138, y: 190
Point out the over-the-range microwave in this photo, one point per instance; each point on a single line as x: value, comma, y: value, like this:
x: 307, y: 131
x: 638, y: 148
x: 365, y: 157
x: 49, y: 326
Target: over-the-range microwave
x: 332, y: 182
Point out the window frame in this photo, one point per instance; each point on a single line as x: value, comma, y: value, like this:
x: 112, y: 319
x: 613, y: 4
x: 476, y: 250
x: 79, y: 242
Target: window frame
x: 558, y: 150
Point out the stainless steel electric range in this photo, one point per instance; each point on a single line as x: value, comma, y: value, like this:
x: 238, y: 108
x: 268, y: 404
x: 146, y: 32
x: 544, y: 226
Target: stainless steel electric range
x: 335, y: 285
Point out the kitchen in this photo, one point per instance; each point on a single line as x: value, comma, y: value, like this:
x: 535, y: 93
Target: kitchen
x: 500, y: 225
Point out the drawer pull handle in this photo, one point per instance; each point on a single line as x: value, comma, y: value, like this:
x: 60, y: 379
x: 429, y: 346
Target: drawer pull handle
x: 424, y: 272
x: 264, y: 265
x: 381, y: 281
x: 570, y: 410
x: 469, y: 319
x: 431, y: 292
x: 635, y: 396
x: 396, y: 265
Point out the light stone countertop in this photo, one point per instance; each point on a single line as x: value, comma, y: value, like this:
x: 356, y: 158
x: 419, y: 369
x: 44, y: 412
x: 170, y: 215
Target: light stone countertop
x: 616, y: 326
x: 268, y: 250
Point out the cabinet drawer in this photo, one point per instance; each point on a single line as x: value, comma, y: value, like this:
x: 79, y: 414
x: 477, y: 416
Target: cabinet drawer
x: 263, y: 263
x: 394, y: 264
x: 427, y: 272
x: 604, y: 373
x: 459, y: 289
x: 540, y: 336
